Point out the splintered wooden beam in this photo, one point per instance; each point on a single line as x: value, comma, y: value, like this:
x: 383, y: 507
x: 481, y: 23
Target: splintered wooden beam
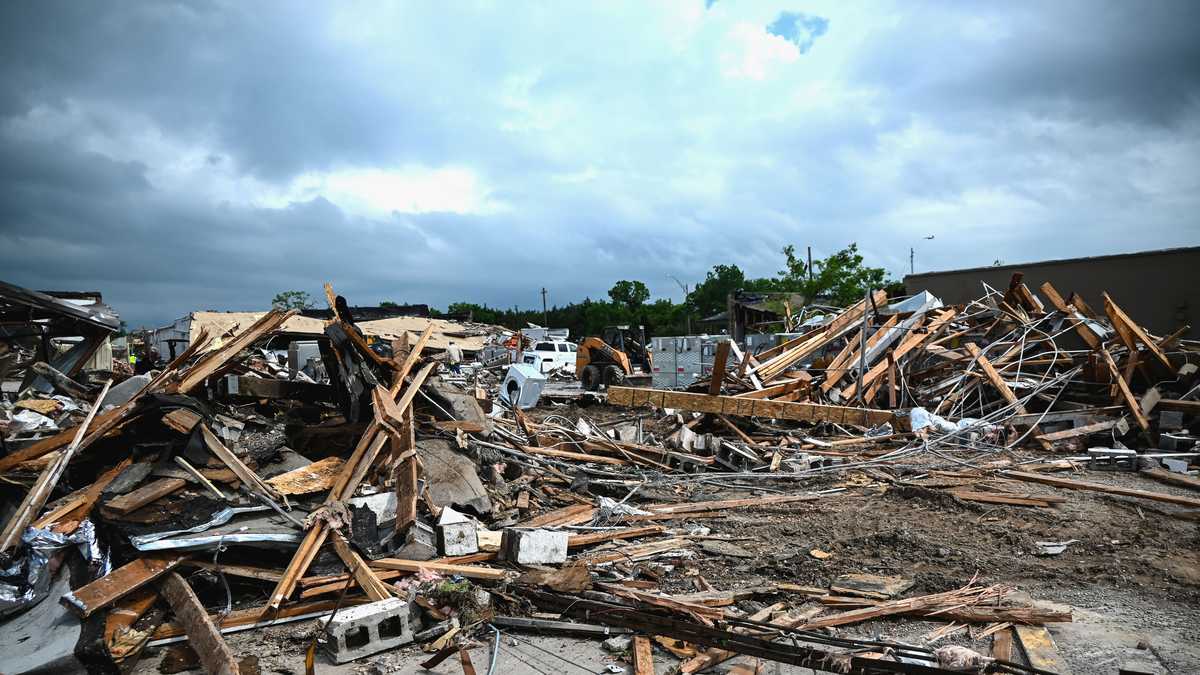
x: 1085, y: 430
x: 65, y: 517
x: 244, y: 473
x: 1070, y: 484
x: 215, y: 655
x: 718, y: 369
x: 998, y: 382
x: 1081, y: 327
x: 578, y: 540
x: 1125, y: 393
x: 749, y: 407
x: 375, y: 588
x: 468, y: 571
x: 1131, y: 333
x: 150, y: 492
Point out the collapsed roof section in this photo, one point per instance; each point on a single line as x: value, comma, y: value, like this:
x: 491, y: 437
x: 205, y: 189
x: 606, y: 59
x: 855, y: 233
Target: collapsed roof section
x: 30, y: 322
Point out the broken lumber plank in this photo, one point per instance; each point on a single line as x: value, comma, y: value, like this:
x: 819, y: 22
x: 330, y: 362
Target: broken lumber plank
x: 214, y: 361
x: 671, y: 516
x: 468, y: 571
x: 577, y: 540
x: 635, y: 552
x: 1000, y: 385
x: 1125, y: 393
x: 643, y: 656
x: 577, y: 456
x: 765, y: 500
x: 563, y: 627
x: 203, y: 636
x: 1072, y: 484
x: 182, y: 420
x: 1081, y: 327
x: 249, y: 478
x: 150, y: 492
x: 1002, y: 645
x: 718, y: 369
x: 311, y: 478
x: 243, y: 571
x: 1173, y: 478
x: 749, y: 407
x: 85, y: 600
x: 1190, y: 407
x: 404, y: 460
x: 1044, y: 501
x: 121, y: 641
x: 568, y: 515
x: 366, y: 579
x: 1039, y: 649
x: 1085, y: 430
x: 242, y: 619
x: 65, y: 517
x: 1131, y: 333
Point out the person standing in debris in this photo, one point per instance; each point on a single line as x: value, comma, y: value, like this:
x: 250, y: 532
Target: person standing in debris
x: 454, y: 357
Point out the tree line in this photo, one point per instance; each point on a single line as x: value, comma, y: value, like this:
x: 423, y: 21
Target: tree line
x: 839, y: 279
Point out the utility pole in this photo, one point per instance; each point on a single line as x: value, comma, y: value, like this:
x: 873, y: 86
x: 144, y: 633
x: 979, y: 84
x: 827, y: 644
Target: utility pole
x: 545, y: 314
x: 686, y: 309
x: 912, y: 269
x: 809, y: 268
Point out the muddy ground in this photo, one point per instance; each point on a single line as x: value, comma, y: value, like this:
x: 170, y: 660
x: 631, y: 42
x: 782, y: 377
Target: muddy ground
x: 1131, y: 574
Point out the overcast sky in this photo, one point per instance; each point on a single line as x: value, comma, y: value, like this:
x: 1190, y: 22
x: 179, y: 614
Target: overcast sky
x: 205, y: 155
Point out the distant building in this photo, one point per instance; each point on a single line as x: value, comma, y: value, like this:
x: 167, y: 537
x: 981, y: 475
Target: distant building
x: 1159, y: 289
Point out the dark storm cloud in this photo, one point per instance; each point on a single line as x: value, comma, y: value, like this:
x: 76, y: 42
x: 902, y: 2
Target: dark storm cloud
x: 194, y: 155
x: 1097, y: 61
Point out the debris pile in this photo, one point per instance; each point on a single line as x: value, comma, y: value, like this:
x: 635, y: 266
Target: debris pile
x: 400, y: 503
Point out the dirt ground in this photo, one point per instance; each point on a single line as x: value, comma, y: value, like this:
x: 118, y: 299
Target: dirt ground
x: 1132, y: 573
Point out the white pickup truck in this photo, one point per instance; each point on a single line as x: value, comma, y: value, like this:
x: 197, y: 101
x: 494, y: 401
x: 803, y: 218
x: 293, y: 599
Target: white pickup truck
x: 548, y: 355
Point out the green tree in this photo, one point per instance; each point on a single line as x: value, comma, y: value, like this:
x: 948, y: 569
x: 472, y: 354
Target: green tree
x: 709, y: 297
x: 840, y: 279
x: 389, y: 304
x: 292, y: 300
x: 631, y: 294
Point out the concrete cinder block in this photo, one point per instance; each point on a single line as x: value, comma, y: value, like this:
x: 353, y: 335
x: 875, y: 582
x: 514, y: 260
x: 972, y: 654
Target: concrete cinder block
x: 534, y: 547
x: 420, y: 543
x: 363, y: 630
x: 1170, y: 420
